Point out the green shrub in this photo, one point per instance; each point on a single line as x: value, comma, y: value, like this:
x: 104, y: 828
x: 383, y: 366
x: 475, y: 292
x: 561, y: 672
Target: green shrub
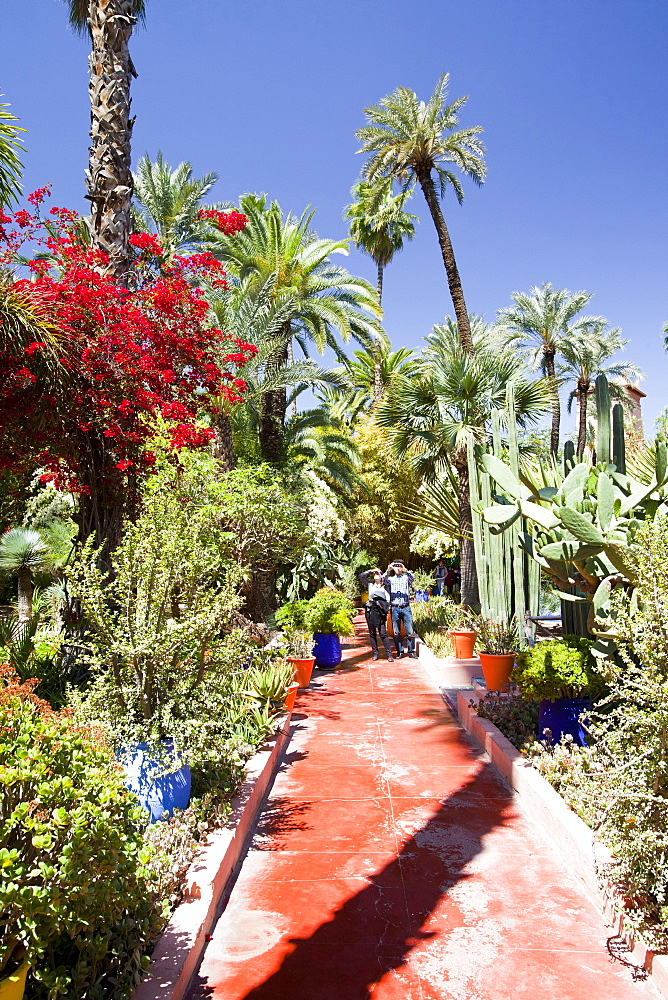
x: 516, y: 718
x: 291, y: 615
x: 558, y: 668
x: 75, y: 890
x: 329, y: 612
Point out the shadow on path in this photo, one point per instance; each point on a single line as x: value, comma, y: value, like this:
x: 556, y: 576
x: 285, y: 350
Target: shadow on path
x: 375, y: 930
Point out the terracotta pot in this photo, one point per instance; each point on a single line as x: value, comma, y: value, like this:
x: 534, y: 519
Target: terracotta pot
x: 303, y: 669
x: 497, y: 668
x: 13, y: 987
x: 463, y: 643
x: 290, y: 697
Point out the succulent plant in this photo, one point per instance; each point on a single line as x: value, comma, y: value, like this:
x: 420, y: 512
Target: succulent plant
x: 582, y: 520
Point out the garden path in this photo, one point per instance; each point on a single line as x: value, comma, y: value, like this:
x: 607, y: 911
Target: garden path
x: 391, y: 862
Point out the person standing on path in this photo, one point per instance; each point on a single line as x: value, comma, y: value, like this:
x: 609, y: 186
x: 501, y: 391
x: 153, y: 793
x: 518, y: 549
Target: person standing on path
x: 375, y: 611
x: 398, y: 582
x: 440, y: 576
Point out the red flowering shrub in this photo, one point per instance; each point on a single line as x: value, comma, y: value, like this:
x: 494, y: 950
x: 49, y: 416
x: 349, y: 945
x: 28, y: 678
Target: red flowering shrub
x: 129, y: 355
x: 226, y: 222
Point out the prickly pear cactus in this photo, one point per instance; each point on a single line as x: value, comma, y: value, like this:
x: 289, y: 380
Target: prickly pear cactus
x: 581, y: 524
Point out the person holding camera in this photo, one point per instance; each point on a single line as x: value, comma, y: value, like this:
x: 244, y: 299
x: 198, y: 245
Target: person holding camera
x: 375, y: 611
x: 398, y: 581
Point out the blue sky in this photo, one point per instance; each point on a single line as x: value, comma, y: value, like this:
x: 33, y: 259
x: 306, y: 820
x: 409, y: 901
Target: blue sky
x: 572, y: 95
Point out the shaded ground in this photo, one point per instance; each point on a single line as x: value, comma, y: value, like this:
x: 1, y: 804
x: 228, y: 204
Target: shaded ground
x: 391, y: 862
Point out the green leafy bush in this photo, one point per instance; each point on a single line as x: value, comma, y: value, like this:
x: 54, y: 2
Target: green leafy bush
x: 329, y: 612
x: 75, y: 891
x: 558, y: 668
x: 291, y: 615
x: 516, y: 718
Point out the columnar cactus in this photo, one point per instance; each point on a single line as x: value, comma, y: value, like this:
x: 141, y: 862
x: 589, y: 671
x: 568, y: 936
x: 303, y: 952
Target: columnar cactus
x: 508, y: 579
x: 581, y: 522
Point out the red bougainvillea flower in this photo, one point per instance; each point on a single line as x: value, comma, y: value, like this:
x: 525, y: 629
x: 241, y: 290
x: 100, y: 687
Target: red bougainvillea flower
x: 226, y: 222
x: 129, y: 355
x: 147, y: 243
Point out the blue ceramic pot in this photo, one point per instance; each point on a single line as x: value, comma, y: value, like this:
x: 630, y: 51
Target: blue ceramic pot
x: 159, y: 793
x: 421, y: 596
x: 327, y: 651
x: 562, y: 717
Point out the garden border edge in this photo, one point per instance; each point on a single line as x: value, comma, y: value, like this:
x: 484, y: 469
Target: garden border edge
x: 180, y: 947
x: 577, y: 845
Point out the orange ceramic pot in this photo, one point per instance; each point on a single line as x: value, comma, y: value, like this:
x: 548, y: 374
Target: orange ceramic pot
x: 463, y: 643
x: 497, y: 668
x: 303, y: 669
x: 290, y: 697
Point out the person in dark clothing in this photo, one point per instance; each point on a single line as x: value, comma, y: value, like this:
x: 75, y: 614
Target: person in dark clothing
x: 376, y: 619
x: 375, y: 611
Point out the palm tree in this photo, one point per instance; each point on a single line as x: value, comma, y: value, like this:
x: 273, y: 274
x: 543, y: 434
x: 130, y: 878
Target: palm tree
x: 541, y: 319
x: 109, y: 24
x: 167, y: 203
x: 329, y: 302
x: 379, y: 226
x: 23, y: 552
x: 585, y: 352
x: 10, y: 161
x: 314, y: 440
x: 254, y: 315
x: 374, y: 372
x: 432, y: 417
x: 410, y: 141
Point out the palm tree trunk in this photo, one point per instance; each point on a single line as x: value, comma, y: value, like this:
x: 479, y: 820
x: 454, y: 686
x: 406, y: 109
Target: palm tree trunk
x: 548, y: 360
x: 583, y: 397
x: 222, y: 447
x: 467, y: 564
x: 108, y: 178
x: 272, y: 413
x: 377, y: 370
x: 454, y: 281
x: 24, y: 594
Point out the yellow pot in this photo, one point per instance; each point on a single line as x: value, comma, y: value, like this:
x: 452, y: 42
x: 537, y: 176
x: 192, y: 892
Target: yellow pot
x: 13, y: 987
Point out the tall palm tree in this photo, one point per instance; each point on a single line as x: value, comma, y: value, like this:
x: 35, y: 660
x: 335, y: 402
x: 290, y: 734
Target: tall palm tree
x: 379, y: 226
x: 585, y: 352
x: 432, y: 417
x: 410, y: 142
x: 167, y: 203
x: 378, y: 223
x: 329, y: 302
x: 109, y: 24
x: 10, y: 159
x: 541, y: 319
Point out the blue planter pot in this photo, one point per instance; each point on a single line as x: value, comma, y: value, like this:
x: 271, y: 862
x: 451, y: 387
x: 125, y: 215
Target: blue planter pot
x: 327, y: 651
x: 421, y: 596
x: 562, y: 717
x: 159, y: 793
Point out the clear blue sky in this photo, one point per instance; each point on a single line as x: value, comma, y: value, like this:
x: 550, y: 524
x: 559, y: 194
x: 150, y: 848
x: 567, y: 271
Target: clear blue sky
x: 572, y: 95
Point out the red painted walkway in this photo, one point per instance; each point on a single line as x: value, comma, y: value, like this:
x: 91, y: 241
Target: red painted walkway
x: 391, y: 862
